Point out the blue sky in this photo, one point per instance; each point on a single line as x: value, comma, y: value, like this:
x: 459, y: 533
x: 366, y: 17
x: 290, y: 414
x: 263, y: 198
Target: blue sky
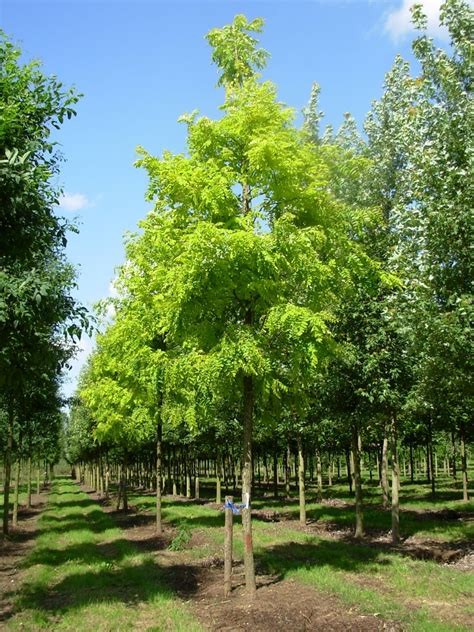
x: 142, y: 63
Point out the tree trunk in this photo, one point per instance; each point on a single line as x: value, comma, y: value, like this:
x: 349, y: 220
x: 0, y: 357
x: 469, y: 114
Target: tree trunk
x: 349, y: 473
x: 359, y: 532
x: 462, y: 436
x: 395, y: 484
x: 249, y: 564
x: 8, y: 469
x: 159, y: 476
x: 219, y: 479
x: 28, y: 488
x: 17, y: 493
x: 453, y: 455
x: 433, y: 473
x: 124, y: 487
x: 384, y: 469
x: 196, y: 479
x: 319, y: 474
x: 301, y: 480
x: 275, y: 471
x: 287, y: 470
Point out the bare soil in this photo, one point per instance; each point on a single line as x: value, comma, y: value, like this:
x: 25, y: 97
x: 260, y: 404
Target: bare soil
x: 279, y: 604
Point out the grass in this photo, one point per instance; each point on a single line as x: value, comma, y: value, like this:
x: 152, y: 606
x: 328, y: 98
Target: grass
x: 421, y: 594
x: 83, y: 575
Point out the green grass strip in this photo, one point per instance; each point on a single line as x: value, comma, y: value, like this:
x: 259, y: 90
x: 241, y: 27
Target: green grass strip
x: 84, y: 575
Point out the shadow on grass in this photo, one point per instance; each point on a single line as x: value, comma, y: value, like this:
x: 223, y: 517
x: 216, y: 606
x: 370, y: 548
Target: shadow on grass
x: 129, y: 585
x: 84, y: 502
x: 89, y: 553
x: 92, y: 522
x: 345, y: 556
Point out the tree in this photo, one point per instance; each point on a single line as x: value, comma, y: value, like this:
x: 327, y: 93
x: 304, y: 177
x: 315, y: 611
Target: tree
x: 247, y: 251
x: 39, y: 319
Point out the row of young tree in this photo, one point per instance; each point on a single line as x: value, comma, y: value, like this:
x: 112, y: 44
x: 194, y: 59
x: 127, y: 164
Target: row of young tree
x: 294, y: 291
x: 39, y: 319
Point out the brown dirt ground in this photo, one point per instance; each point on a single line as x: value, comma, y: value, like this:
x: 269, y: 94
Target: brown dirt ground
x: 14, y: 549
x: 279, y: 604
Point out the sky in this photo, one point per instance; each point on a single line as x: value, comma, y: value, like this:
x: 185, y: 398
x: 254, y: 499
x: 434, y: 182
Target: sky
x: 140, y: 64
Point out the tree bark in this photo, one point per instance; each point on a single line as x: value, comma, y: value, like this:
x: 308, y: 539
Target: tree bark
x: 349, y: 473
x: 319, y: 474
x: 219, y: 478
x: 359, y: 531
x: 8, y: 468
x: 275, y: 471
x: 159, y: 476
x: 384, y: 469
x: 432, y: 468
x: 28, y: 488
x: 17, y: 492
x: 249, y: 564
x: 228, y: 538
x: 287, y: 470
x: 462, y: 436
x: 395, y: 483
x: 453, y: 455
x: 301, y: 480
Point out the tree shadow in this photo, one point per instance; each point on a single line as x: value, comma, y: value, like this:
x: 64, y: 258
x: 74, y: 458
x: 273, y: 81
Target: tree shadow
x: 91, y: 522
x: 345, y: 556
x: 85, y: 502
x: 85, y: 553
x: 130, y: 585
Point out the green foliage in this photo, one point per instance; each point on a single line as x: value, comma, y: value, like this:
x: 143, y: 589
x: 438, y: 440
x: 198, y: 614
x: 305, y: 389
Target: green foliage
x: 181, y: 539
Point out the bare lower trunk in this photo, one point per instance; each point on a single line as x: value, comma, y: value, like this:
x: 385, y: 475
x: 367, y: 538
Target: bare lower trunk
x: 349, y: 473
x: 301, y: 480
x: 17, y: 493
x: 384, y: 469
x: 453, y: 455
x: 8, y: 468
x: 249, y: 564
x: 319, y: 474
x: 462, y: 433
x: 395, y: 483
x: 432, y: 468
x: 159, y: 476
x: 196, y: 479
x: 359, y: 531
x: 28, y: 489
x: 275, y: 471
x: 287, y: 470
x: 219, y: 479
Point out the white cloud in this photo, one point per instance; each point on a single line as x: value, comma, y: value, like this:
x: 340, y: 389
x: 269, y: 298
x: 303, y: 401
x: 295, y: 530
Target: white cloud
x: 398, y: 22
x: 73, y: 201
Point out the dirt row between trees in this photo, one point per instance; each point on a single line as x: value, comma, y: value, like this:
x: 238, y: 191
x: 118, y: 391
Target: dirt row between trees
x: 198, y: 583
x: 14, y: 549
x: 280, y: 603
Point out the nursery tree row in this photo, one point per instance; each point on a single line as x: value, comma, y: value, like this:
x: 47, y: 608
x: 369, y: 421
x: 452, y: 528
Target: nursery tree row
x: 296, y: 295
x: 39, y: 319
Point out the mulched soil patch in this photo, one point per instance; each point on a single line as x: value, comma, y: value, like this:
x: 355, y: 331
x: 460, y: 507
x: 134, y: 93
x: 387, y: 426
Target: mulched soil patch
x: 279, y: 603
x: 13, y: 551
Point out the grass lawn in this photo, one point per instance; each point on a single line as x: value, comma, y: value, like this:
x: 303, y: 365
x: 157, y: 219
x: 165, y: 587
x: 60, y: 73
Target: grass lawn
x: 421, y: 594
x: 83, y: 575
